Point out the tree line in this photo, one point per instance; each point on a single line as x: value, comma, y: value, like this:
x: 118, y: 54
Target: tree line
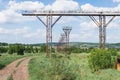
x: 20, y: 49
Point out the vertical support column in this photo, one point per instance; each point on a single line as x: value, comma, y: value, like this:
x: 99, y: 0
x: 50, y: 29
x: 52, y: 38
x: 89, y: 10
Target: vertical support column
x: 102, y: 24
x: 49, y: 25
x: 48, y: 35
x: 100, y: 32
x: 104, y: 32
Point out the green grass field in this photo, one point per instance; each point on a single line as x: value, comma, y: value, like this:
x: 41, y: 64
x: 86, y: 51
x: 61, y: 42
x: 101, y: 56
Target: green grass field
x: 7, y: 59
x: 73, y: 68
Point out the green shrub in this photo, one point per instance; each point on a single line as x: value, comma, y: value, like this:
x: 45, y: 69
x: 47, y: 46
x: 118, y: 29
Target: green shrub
x: 102, y: 59
x: 61, y: 67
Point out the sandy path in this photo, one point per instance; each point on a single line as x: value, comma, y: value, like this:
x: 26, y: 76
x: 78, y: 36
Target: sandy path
x: 21, y: 72
x: 18, y: 73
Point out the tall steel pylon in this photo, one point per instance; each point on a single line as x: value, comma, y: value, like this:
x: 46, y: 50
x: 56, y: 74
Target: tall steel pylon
x: 102, y: 24
x: 67, y: 31
x: 49, y: 25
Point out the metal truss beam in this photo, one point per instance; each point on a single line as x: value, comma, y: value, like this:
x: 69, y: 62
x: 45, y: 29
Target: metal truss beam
x: 95, y: 21
x: 56, y: 20
x: 110, y: 20
x: 67, y: 13
x: 41, y: 21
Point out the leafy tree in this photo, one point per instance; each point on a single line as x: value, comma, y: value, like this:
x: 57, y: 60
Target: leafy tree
x: 11, y: 49
x: 20, y: 49
x: 16, y: 48
x: 29, y: 49
x: 36, y: 50
x: 43, y: 48
x: 3, y: 49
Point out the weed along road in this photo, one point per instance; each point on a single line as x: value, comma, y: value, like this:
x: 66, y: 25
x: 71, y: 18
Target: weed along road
x: 17, y: 70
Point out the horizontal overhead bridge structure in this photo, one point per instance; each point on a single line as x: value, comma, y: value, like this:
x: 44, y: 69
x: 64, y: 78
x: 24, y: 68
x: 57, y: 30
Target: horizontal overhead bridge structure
x: 101, y: 22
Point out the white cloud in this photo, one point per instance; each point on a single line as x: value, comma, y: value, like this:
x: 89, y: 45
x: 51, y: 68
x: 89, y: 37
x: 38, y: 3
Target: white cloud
x: 39, y: 33
x: 26, y: 32
x: 87, y: 25
x: 67, y: 19
x: 116, y: 0
x: 74, y: 37
x: 59, y: 5
x: 23, y: 34
x: 25, y: 5
x: 11, y: 13
x: 16, y: 31
x: 88, y: 7
x: 32, y: 6
x: 10, y: 16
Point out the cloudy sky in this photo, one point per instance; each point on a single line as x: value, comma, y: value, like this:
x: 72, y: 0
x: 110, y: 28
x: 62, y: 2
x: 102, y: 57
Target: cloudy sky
x: 15, y: 28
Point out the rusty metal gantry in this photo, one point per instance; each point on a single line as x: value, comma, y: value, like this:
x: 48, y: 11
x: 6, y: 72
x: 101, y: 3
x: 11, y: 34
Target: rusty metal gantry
x: 49, y: 23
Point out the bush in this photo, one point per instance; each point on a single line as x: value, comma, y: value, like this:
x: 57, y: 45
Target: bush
x: 102, y: 59
x: 61, y: 67
x: 43, y: 48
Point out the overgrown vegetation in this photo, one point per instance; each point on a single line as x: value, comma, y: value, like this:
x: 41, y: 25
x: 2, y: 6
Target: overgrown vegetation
x: 42, y: 68
x: 102, y: 59
x: 58, y: 67
x: 6, y: 59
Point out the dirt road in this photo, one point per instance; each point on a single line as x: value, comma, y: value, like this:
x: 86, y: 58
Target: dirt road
x: 17, y: 70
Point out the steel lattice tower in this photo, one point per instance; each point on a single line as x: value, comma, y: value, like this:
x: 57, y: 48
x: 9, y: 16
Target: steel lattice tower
x: 67, y: 31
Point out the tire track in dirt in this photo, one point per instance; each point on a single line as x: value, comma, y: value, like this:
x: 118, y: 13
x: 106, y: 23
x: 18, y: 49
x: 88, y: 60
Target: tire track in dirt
x: 21, y: 72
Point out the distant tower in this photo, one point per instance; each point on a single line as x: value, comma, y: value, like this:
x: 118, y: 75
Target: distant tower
x: 61, y: 43
x: 67, y: 30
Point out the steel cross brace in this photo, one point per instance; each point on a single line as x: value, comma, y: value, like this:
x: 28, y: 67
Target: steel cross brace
x: 102, y: 24
x: 49, y: 25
